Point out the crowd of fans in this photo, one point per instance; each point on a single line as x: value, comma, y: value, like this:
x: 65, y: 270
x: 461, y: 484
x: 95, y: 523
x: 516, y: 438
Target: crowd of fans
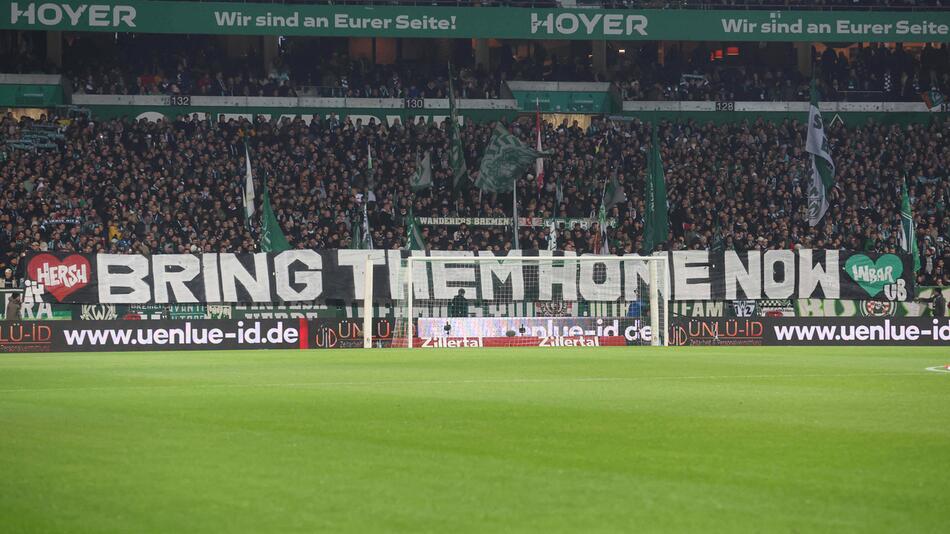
x: 873, y: 72
x: 197, y: 65
x: 176, y: 187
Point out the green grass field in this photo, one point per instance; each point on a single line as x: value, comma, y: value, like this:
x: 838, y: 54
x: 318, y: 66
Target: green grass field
x: 487, y: 440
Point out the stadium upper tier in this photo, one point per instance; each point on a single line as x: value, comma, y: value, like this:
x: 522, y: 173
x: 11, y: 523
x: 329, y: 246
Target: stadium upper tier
x: 200, y: 65
x: 177, y: 186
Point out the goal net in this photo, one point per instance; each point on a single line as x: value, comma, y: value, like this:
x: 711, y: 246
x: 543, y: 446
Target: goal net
x: 545, y: 300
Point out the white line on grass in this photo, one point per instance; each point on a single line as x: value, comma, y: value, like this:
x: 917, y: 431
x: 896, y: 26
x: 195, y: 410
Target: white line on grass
x: 452, y: 382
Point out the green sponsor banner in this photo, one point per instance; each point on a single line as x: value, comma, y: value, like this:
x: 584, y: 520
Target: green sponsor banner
x: 466, y: 22
x: 31, y: 95
x: 564, y: 102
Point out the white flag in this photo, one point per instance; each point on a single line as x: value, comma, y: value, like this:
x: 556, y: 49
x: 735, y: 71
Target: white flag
x: 248, y: 187
x: 422, y: 178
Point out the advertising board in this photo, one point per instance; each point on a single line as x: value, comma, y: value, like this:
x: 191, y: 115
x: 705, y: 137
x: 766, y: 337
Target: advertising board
x: 518, y: 341
x: 420, y: 21
x: 117, y: 335
x: 138, y: 335
x: 802, y: 331
x: 630, y: 330
x: 83, y: 336
x: 348, y: 333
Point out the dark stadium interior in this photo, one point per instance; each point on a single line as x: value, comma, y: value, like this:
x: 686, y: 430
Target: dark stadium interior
x: 130, y: 64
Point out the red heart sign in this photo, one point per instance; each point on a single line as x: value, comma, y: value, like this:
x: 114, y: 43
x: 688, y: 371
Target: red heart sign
x: 59, y: 277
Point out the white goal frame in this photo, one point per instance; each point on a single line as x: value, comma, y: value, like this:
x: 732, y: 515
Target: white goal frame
x: 652, y: 261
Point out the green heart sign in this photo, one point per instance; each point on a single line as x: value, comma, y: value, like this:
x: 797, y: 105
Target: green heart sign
x: 872, y: 275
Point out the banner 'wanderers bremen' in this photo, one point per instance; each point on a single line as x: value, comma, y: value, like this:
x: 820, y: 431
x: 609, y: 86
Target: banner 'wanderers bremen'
x: 330, y: 276
x: 270, y: 18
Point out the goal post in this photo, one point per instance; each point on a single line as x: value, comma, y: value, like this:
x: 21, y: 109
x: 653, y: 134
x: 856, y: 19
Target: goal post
x: 455, y: 300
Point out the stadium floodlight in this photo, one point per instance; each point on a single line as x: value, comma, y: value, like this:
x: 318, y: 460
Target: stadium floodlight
x: 453, y: 299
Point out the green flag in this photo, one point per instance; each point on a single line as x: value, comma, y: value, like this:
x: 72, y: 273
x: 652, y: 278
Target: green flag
x: 657, y: 225
x: 272, y: 238
x: 414, y: 240
x: 614, y: 193
x: 908, y: 231
x: 505, y: 160
x: 456, y: 154
x: 822, y: 168
x: 422, y: 178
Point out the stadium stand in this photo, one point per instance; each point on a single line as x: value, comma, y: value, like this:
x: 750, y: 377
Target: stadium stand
x: 596, y: 264
x: 197, y: 65
x: 735, y: 185
x: 176, y: 186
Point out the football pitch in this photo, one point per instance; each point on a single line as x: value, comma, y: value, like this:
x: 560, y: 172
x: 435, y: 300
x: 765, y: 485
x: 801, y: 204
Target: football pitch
x: 477, y: 440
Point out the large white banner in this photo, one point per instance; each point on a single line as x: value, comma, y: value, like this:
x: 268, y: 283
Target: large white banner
x: 331, y: 276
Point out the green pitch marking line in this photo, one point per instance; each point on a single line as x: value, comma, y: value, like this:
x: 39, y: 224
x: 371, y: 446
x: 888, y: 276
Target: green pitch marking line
x: 527, y: 440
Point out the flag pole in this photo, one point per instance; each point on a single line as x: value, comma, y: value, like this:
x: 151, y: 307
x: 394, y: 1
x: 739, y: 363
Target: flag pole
x: 514, y: 202
x: 539, y: 163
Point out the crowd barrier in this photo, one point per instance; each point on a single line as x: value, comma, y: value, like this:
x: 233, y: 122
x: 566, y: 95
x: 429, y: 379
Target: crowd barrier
x: 920, y: 306
x: 96, y: 336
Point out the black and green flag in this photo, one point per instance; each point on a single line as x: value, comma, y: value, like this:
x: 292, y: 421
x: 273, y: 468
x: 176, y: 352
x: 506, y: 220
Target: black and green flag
x: 822, y: 167
x: 361, y: 238
x: 456, y: 154
x: 657, y: 225
x: 505, y: 160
